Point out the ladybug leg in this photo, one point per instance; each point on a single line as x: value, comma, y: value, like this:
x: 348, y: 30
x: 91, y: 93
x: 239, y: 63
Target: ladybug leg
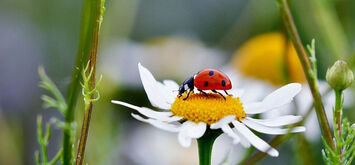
x: 227, y: 93
x: 219, y: 94
x: 188, y: 94
x: 203, y: 92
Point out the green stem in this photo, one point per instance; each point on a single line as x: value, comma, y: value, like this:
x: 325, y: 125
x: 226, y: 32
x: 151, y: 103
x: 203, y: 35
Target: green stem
x: 57, y: 157
x: 338, y: 109
x: 41, y: 140
x: 97, y: 8
x: 37, y: 158
x: 205, y: 145
x: 87, y: 49
x: 307, y: 68
x: 84, y: 134
x: 337, y: 118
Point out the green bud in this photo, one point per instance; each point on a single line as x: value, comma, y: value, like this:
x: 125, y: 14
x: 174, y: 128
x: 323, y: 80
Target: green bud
x: 339, y: 76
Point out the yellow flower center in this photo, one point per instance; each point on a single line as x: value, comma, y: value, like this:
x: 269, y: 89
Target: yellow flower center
x: 199, y: 108
x: 269, y: 57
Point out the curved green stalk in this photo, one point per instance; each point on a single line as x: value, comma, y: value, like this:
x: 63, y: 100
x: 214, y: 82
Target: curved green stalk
x: 307, y: 68
x: 205, y: 145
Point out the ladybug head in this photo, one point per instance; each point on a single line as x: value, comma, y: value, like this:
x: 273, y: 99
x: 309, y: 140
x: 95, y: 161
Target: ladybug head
x: 187, y: 85
x: 181, y: 90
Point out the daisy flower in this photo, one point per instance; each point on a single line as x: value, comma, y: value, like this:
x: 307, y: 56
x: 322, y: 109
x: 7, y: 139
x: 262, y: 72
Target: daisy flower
x: 168, y: 52
x: 193, y: 117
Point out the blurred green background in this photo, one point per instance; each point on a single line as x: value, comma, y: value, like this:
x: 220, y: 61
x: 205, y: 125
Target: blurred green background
x: 45, y: 33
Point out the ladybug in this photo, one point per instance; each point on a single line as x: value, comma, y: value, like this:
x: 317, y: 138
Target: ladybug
x: 206, y: 79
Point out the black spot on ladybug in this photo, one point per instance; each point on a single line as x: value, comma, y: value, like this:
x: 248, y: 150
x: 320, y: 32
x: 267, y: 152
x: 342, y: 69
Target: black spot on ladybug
x: 210, y: 73
x: 223, y: 83
x: 206, y: 83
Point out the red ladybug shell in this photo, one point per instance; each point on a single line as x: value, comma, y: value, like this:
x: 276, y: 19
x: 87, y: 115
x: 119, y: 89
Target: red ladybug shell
x: 212, y: 79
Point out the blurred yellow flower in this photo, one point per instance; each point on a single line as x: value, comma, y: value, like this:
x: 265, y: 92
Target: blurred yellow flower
x: 271, y: 58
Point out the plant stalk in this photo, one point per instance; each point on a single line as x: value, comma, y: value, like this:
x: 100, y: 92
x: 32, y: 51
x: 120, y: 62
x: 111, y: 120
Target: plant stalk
x: 96, y: 9
x: 307, y: 68
x: 337, y: 116
x: 205, y: 145
x: 87, y: 50
x: 84, y: 134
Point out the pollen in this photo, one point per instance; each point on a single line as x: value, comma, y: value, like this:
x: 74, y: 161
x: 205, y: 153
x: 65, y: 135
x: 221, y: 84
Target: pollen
x: 199, y: 108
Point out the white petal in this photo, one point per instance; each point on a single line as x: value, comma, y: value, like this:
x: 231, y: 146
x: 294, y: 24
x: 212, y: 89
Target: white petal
x: 171, y: 85
x: 278, y: 121
x: 190, y: 130
x: 171, y: 119
x: 270, y: 130
x: 284, y: 94
x: 184, y: 140
x: 228, y: 130
x: 193, y: 130
x: 245, y: 143
x: 253, y: 108
x: 254, y: 140
x: 158, y: 124
x: 158, y: 94
x: 161, y: 116
x: 236, y: 92
x: 167, y: 93
x: 223, y: 121
x: 278, y: 98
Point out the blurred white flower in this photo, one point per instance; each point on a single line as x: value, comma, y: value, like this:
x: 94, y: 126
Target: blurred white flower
x: 164, y: 149
x: 256, y: 89
x: 178, y: 56
x: 268, y: 61
x: 192, y: 117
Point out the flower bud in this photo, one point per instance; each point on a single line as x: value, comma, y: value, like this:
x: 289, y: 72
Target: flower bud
x: 339, y: 76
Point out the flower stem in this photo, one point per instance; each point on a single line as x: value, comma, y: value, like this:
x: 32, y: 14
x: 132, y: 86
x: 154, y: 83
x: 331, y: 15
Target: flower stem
x: 338, y: 108
x: 205, y: 145
x: 84, y: 134
x: 56, y: 158
x: 87, y: 49
x: 43, y: 139
x: 307, y: 68
x: 337, y: 116
x: 96, y: 8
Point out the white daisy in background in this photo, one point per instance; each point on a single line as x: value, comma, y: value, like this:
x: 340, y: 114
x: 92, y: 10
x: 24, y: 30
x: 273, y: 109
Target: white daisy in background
x: 163, y: 148
x: 192, y: 117
x: 271, y: 65
x: 120, y: 58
